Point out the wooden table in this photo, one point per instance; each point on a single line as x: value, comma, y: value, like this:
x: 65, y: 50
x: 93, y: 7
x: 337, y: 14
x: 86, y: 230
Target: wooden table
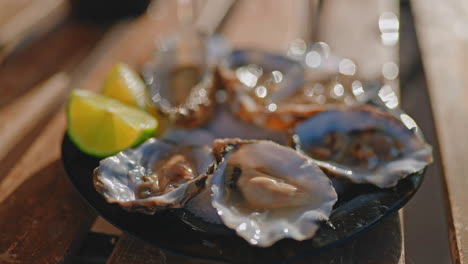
x: 42, y: 219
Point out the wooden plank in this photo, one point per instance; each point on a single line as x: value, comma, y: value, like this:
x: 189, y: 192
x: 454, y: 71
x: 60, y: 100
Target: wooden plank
x: 441, y: 29
x: 42, y: 217
x: 60, y: 50
x: 9, y: 9
x: 131, y: 250
x: 102, y: 226
x: 428, y: 205
x: 26, y: 103
x: 33, y: 19
x: 17, y: 121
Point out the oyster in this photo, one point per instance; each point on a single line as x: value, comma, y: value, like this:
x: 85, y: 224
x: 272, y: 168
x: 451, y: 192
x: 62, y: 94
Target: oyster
x: 158, y: 174
x: 364, y: 144
x: 277, y: 92
x: 181, y: 80
x: 267, y: 192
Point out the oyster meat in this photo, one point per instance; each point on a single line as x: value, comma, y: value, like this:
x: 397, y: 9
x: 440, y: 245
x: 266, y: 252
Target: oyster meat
x: 181, y: 80
x: 158, y: 174
x: 364, y: 144
x: 267, y: 192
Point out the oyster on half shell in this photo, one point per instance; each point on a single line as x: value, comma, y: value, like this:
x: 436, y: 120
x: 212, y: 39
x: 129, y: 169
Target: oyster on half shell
x: 158, y: 174
x: 267, y: 192
x: 364, y: 144
x: 277, y: 92
x: 181, y: 79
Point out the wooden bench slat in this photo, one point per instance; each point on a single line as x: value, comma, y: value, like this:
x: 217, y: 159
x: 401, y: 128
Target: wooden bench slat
x: 131, y: 250
x: 42, y: 216
x: 57, y: 51
x: 32, y: 19
x: 17, y: 120
x: 444, y: 55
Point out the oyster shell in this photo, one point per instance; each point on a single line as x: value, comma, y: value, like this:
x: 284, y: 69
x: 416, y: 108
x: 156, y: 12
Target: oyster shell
x: 182, y: 81
x: 158, y: 174
x: 364, y: 144
x: 267, y: 192
x: 277, y: 92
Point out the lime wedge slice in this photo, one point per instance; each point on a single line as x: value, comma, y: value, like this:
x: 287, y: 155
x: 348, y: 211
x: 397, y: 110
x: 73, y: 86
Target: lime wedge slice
x: 125, y: 85
x: 101, y: 126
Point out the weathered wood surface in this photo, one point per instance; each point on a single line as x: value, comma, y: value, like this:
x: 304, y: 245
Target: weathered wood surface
x: 16, y: 123
x: 57, y: 51
x: 25, y: 19
x: 426, y: 210
x: 42, y: 218
x: 442, y: 33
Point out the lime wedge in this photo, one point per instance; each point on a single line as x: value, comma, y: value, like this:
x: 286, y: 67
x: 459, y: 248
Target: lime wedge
x: 101, y: 126
x: 125, y: 85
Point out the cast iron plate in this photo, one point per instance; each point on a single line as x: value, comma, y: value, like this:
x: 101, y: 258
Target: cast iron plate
x: 359, y: 208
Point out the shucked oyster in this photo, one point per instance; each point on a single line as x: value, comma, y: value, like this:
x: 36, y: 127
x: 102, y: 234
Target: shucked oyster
x: 181, y: 79
x: 267, y: 192
x: 364, y: 144
x: 158, y: 174
x: 277, y: 92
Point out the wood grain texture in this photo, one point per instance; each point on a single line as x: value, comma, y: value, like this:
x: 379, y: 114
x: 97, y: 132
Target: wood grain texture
x: 9, y: 9
x: 104, y: 227
x: 42, y: 216
x: 60, y: 50
x: 17, y: 120
x: 428, y: 206
x: 441, y: 29
x: 32, y: 19
x: 27, y: 99
x: 131, y: 250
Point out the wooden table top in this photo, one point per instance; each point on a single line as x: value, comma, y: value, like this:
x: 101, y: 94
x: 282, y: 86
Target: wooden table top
x: 42, y: 218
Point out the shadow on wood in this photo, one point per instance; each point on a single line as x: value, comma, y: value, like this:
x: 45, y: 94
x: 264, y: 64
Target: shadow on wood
x: 43, y: 219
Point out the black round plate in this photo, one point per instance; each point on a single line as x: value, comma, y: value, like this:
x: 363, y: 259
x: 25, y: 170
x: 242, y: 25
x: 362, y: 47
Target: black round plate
x: 359, y: 208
